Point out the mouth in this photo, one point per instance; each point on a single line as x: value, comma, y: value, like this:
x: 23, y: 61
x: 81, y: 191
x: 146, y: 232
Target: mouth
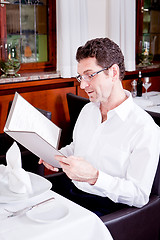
x: 89, y: 92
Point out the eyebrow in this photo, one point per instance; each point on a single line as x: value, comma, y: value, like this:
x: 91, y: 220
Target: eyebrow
x: 86, y: 71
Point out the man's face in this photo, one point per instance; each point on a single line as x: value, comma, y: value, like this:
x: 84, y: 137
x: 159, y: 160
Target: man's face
x: 99, y: 87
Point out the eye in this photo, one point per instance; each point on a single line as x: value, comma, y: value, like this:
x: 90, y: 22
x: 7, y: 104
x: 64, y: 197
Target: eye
x: 87, y: 77
x: 92, y: 75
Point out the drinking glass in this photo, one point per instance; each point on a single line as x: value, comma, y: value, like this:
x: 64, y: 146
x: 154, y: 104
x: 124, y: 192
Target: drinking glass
x: 146, y: 85
x: 9, y: 58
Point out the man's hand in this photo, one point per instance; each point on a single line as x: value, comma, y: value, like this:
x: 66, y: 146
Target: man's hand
x: 50, y: 167
x: 78, y: 169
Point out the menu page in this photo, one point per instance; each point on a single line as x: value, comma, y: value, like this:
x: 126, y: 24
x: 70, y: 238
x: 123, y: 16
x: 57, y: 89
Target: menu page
x: 33, y: 130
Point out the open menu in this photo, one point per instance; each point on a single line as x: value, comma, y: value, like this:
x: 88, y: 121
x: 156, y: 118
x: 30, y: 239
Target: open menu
x: 33, y: 130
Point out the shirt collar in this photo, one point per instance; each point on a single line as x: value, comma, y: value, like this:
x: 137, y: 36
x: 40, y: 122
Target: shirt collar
x: 124, y: 108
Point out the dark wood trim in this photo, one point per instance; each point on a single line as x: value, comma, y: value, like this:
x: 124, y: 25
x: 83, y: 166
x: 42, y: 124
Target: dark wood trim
x: 3, y: 31
x: 146, y: 72
x: 51, y: 64
x: 139, y: 22
x: 52, y: 32
x: 32, y: 86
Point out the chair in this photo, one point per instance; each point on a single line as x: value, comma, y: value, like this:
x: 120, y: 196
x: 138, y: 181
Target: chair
x: 155, y: 116
x: 29, y: 160
x: 137, y: 223
x: 130, y: 223
x: 75, y: 104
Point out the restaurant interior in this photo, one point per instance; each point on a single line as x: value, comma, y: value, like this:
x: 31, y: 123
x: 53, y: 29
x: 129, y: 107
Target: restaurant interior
x: 38, y: 42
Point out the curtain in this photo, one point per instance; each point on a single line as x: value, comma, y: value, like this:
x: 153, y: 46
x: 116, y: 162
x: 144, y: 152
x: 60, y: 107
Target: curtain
x: 72, y: 32
x: 122, y: 28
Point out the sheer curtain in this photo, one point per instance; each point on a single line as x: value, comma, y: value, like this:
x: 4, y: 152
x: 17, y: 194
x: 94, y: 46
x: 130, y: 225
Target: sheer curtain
x: 122, y: 28
x: 72, y: 31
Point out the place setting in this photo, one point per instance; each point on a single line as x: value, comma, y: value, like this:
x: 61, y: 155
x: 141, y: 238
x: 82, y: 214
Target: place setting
x: 150, y: 100
x: 29, y: 209
x: 21, y: 193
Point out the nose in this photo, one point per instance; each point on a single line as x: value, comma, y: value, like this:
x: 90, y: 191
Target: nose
x: 83, y: 84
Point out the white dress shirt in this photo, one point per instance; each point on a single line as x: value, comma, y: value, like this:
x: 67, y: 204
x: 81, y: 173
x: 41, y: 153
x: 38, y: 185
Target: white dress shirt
x: 124, y: 148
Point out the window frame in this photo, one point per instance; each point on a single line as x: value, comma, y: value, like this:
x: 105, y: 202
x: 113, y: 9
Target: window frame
x: 37, y: 66
x: 139, y: 23
x: 139, y: 30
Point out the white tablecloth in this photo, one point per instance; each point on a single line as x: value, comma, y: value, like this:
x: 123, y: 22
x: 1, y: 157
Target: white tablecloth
x: 152, y: 104
x: 78, y: 224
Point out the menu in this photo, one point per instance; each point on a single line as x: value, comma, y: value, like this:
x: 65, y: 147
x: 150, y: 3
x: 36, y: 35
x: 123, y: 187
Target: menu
x: 33, y: 130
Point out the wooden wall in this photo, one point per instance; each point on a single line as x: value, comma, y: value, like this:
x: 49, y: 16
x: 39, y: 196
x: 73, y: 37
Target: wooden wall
x: 49, y: 95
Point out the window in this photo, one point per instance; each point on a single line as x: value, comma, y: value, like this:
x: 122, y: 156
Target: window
x: 148, y: 32
x: 28, y: 29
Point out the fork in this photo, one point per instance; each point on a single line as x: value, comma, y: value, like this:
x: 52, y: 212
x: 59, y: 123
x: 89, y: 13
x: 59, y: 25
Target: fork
x: 26, y: 209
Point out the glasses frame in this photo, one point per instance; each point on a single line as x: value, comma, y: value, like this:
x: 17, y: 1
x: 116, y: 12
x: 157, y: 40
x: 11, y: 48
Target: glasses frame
x: 80, y: 77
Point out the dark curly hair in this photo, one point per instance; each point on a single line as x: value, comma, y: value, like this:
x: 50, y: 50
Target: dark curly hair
x: 105, y: 51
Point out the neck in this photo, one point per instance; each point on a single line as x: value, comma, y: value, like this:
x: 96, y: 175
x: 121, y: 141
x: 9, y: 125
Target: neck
x: 117, y: 97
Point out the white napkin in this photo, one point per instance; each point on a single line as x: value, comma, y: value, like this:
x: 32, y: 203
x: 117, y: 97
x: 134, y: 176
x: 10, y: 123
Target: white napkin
x: 18, y: 179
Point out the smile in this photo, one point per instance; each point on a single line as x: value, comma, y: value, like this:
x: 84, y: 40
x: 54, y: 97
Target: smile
x: 90, y: 92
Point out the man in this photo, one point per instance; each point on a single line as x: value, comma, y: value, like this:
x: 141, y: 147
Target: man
x: 115, y: 150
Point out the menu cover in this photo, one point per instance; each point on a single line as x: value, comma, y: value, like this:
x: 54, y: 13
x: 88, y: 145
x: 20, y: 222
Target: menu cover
x: 33, y: 130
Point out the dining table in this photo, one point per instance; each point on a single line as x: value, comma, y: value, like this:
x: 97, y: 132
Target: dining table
x: 59, y: 219
x: 151, y: 103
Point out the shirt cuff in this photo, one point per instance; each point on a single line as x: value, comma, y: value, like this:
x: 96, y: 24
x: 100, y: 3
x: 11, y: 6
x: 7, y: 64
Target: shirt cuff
x: 103, y: 182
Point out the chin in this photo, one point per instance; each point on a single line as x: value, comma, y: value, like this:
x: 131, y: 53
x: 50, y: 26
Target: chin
x: 94, y: 100
x: 93, y: 97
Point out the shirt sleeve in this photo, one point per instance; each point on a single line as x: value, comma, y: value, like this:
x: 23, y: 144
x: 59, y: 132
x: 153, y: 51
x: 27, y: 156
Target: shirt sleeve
x: 68, y: 150
x: 135, y: 188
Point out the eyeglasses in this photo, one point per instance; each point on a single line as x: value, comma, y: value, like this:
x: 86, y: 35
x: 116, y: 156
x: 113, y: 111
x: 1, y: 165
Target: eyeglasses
x: 88, y: 78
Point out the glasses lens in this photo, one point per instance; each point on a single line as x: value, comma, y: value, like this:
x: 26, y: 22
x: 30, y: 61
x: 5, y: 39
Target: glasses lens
x: 86, y: 78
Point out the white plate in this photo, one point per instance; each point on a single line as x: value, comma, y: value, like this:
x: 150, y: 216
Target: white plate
x: 39, y: 186
x: 48, y: 212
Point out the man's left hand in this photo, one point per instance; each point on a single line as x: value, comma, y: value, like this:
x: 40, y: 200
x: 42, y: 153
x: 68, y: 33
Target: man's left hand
x: 76, y: 168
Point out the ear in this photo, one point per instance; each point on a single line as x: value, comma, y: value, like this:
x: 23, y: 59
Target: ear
x: 115, y: 72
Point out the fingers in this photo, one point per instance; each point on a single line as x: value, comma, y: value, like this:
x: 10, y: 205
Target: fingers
x: 40, y: 161
x: 48, y: 166
x: 62, y: 159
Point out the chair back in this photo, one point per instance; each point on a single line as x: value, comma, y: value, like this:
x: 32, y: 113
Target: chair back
x: 156, y: 183
x: 155, y: 116
x: 75, y: 104
x: 47, y: 114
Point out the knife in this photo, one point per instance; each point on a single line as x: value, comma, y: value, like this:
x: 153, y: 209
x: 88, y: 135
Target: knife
x: 26, y: 209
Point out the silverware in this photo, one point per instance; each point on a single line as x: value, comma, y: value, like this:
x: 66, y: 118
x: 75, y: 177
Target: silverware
x: 26, y: 209
x: 156, y: 94
x: 154, y: 105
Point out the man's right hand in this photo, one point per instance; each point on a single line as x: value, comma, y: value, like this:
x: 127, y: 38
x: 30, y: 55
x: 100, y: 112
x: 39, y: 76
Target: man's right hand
x: 50, y: 167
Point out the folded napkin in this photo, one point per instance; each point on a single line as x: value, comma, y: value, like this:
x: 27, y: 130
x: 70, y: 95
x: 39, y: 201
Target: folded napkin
x: 17, y: 178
